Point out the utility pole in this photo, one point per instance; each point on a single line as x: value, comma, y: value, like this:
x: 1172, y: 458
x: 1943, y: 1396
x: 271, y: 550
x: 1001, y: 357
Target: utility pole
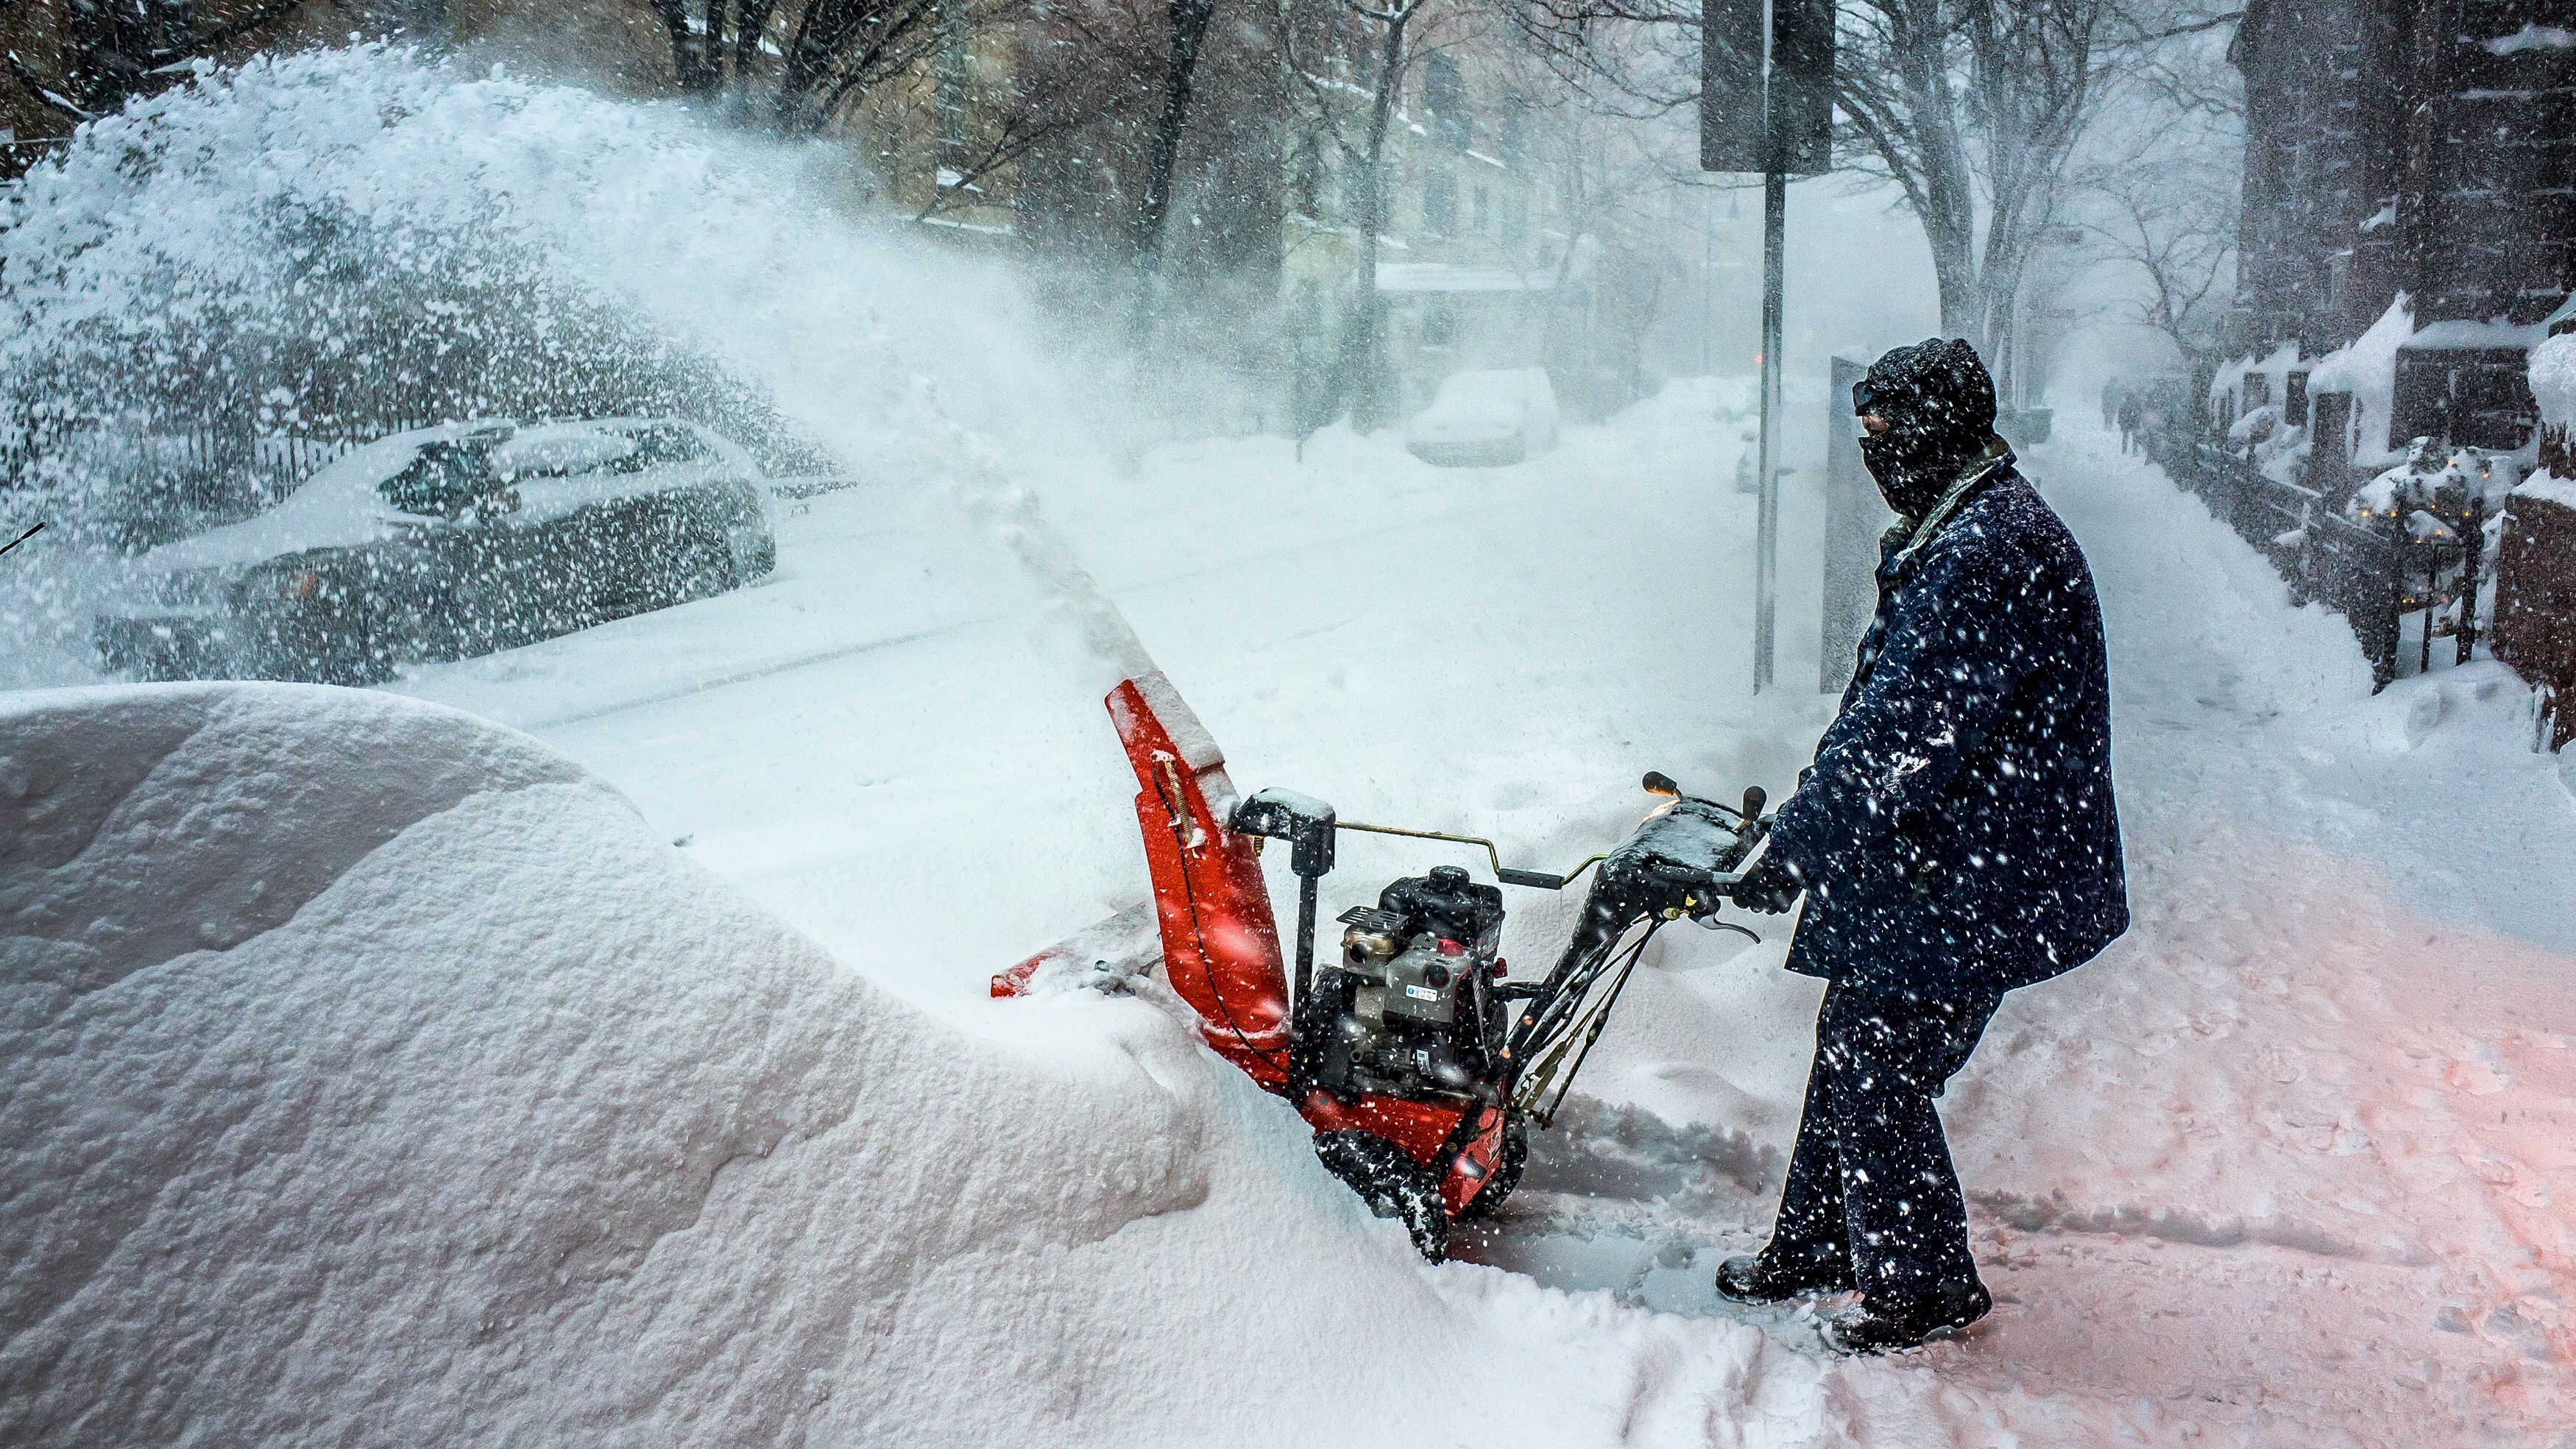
x: 1708, y: 284
x: 1766, y: 105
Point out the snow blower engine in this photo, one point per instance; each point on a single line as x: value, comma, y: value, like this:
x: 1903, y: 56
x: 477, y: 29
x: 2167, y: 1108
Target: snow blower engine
x: 1420, y: 1064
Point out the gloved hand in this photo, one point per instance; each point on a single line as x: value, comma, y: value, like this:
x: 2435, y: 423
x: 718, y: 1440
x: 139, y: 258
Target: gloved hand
x: 1768, y: 887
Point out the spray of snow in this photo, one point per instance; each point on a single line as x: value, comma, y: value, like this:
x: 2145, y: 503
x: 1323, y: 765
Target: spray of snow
x: 903, y: 362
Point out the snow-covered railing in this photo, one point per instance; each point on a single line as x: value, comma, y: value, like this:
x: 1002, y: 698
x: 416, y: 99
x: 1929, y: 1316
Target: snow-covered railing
x: 2403, y: 577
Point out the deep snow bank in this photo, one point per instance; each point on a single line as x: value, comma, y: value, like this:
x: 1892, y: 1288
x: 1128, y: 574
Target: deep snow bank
x: 371, y: 1076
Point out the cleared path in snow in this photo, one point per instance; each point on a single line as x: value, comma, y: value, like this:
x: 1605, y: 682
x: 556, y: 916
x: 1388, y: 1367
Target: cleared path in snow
x: 2278, y: 1167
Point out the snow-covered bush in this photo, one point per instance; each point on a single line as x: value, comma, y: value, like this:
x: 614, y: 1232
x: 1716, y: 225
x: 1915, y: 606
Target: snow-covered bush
x: 2255, y: 427
x: 2438, y: 479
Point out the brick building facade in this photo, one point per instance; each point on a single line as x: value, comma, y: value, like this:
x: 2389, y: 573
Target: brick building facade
x: 2408, y: 237
x: 2425, y: 147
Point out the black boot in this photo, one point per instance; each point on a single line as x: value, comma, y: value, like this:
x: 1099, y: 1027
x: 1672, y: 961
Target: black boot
x: 1889, y: 1325
x: 1765, y: 1278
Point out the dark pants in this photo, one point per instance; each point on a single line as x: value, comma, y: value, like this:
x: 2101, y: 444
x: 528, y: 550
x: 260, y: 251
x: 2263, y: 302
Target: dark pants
x: 1871, y: 1192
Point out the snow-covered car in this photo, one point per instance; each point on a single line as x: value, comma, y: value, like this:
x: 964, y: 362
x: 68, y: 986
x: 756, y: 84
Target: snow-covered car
x: 1485, y: 419
x: 447, y: 542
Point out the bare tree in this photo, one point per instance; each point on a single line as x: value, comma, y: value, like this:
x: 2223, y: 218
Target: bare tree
x: 1384, y: 37
x: 1610, y: 171
x: 107, y: 52
x: 2156, y: 191
x: 1071, y: 67
x: 802, y: 61
x: 2182, y: 249
x: 1185, y: 28
x: 1970, y: 107
x: 1973, y: 106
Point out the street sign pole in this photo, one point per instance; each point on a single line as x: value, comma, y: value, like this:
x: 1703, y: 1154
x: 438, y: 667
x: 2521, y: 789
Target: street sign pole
x: 1766, y: 527
x: 1766, y: 107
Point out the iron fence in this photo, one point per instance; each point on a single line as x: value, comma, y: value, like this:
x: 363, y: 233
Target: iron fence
x: 2395, y: 585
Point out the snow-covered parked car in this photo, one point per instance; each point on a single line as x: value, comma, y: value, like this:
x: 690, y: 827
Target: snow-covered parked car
x: 1485, y: 419
x: 447, y: 542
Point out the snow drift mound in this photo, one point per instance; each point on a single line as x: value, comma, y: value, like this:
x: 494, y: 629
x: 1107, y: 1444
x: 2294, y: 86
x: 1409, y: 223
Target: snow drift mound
x: 367, y: 1075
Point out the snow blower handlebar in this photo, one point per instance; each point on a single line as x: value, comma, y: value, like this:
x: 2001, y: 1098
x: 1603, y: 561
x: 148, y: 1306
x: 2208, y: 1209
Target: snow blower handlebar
x: 1683, y: 862
x: 1309, y: 826
x: 1508, y: 875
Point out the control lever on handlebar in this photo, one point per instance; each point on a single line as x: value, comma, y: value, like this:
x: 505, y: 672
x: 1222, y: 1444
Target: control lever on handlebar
x: 1750, y: 812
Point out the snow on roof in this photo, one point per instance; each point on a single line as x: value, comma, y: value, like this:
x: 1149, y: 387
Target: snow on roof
x: 2277, y: 365
x: 2549, y: 488
x: 1458, y: 277
x: 2532, y: 36
x: 2366, y: 368
x: 2553, y: 379
x: 2465, y: 336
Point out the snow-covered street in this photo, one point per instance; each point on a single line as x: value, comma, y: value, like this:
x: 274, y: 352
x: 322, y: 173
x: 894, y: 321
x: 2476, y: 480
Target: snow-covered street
x: 2282, y: 1164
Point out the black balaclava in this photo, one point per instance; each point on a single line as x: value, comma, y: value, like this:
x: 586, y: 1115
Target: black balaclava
x: 1940, y: 410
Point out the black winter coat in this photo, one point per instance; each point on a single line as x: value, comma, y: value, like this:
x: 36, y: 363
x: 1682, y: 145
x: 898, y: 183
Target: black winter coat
x: 1956, y: 833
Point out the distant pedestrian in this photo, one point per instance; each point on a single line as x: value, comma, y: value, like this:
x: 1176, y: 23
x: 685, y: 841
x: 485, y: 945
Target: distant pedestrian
x: 2129, y: 418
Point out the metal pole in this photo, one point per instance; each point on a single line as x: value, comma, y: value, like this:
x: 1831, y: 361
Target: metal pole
x: 1708, y: 284
x: 1766, y: 530
x: 1305, y: 937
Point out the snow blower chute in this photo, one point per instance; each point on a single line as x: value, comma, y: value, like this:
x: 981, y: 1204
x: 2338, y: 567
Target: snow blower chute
x: 1421, y: 1067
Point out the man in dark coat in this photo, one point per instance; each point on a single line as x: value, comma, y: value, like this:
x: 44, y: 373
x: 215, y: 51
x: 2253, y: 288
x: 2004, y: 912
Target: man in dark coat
x: 1955, y: 838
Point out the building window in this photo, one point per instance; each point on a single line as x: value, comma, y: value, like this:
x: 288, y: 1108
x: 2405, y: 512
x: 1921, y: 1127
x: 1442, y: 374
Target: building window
x: 2294, y: 400
x: 2257, y: 391
x: 2468, y: 397
x: 1513, y: 126
x: 1440, y: 202
x: 1484, y: 211
x: 1444, y: 100
x: 1515, y: 219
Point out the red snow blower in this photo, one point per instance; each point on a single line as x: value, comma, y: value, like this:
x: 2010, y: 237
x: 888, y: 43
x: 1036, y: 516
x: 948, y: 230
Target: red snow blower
x: 1420, y: 1066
